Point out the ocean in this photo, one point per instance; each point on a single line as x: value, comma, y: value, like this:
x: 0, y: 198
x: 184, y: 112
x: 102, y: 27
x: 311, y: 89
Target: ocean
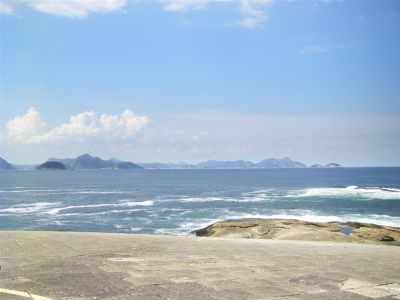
x: 178, y: 201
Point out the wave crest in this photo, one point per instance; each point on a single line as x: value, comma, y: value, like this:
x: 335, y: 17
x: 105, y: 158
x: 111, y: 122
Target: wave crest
x: 349, y: 191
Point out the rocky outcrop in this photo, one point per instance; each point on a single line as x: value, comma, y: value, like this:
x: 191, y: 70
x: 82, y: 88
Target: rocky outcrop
x: 284, y: 229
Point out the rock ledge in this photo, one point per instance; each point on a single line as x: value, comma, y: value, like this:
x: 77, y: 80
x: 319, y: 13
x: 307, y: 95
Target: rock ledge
x: 287, y: 229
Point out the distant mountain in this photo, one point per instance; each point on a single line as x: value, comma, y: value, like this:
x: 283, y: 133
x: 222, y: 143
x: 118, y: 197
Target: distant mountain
x: 116, y: 160
x: 235, y: 164
x: 157, y: 165
x: 5, y: 165
x: 67, y: 162
x: 331, y: 165
x: 51, y: 165
x: 25, y: 167
x: 317, y: 166
x: 280, y: 163
x: 87, y: 161
x: 127, y: 165
x: 229, y: 164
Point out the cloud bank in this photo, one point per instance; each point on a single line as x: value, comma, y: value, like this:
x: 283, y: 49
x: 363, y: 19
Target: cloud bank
x: 30, y: 128
x: 253, y: 12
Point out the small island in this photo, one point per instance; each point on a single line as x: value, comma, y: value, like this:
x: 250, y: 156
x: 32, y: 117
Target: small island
x: 330, y: 165
x: 51, y: 165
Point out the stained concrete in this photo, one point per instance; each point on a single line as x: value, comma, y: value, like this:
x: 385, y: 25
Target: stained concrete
x: 61, y: 265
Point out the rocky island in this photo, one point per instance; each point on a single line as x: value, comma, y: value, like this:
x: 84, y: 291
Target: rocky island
x: 87, y: 161
x: 284, y: 229
x: 51, y: 165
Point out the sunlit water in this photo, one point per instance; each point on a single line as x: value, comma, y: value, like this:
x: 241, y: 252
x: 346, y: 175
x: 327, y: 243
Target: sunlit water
x: 179, y: 201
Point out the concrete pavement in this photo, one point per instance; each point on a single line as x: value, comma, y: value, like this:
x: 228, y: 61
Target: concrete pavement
x: 66, y: 265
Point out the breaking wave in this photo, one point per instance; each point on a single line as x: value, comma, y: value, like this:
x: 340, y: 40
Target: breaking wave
x: 121, y: 203
x: 52, y: 208
x: 241, y: 199
x: 29, y: 208
x: 349, y: 191
x: 63, y: 191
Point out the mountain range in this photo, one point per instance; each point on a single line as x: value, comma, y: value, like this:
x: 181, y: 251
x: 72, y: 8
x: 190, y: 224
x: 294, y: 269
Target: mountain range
x: 87, y: 161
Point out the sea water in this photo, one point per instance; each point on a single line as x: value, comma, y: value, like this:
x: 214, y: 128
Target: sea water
x: 179, y: 201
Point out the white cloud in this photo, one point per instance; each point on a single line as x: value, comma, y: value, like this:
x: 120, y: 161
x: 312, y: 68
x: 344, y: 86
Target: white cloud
x: 6, y: 9
x: 183, y: 5
x: 253, y: 11
x: 28, y: 129
x: 22, y: 129
x: 67, y: 8
x: 200, y: 136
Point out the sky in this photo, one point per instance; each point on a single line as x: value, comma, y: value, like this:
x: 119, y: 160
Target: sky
x: 317, y: 81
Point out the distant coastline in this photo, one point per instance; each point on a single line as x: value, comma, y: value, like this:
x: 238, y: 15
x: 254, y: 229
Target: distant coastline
x: 87, y: 161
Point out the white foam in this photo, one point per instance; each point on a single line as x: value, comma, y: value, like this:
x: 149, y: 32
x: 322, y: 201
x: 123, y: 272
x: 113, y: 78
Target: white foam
x: 29, y: 190
x: 135, y: 229
x: 121, y: 203
x: 99, y: 192
x: 63, y: 191
x: 128, y: 202
x: 258, y: 192
x: 169, y: 231
x: 202, y: 199
x: 29, y: 208
x: 309, y: 216
x: 225, y: 199
x: 350, y: 191
x: 303, y: 217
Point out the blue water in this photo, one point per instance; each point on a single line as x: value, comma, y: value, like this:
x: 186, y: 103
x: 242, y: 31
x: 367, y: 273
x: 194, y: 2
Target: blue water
x: 179, y: 201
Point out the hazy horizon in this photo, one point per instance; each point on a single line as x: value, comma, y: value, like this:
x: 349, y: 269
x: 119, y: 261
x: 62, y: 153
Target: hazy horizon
x: 169, y: 81
x: 308, y: 164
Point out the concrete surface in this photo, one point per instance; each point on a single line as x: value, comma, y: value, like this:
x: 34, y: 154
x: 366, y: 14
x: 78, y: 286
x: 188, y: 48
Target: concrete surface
x: 61, y: 265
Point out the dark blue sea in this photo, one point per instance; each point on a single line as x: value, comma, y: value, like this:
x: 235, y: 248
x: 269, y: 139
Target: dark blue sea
x: 179, y: 201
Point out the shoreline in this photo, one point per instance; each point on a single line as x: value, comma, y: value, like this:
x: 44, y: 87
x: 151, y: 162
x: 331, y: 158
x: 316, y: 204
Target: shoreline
x: 289, y: 229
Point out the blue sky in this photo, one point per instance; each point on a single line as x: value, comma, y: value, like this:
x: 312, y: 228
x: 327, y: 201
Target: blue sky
x: 318, y: 81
